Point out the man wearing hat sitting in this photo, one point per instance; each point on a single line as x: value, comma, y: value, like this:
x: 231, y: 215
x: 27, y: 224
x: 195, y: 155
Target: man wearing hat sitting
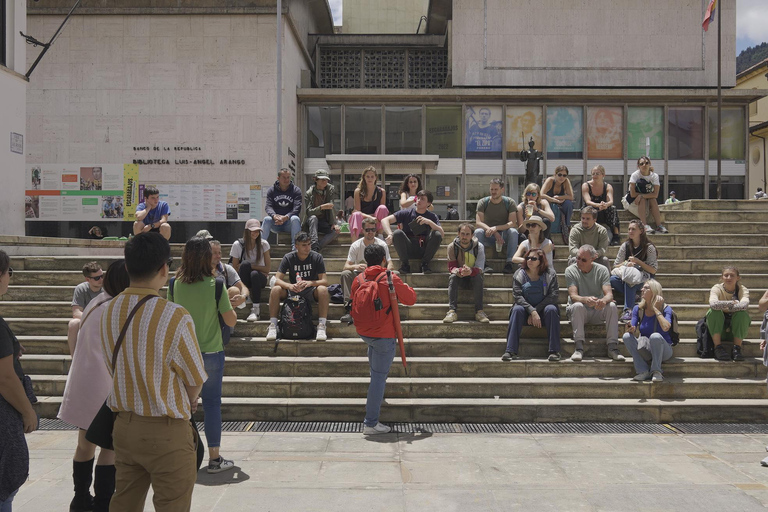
x: 320, y: 212
x: 672, y: 198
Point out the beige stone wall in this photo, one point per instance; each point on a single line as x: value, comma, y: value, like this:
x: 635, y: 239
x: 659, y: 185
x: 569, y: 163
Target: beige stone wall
x: 758, y: 81
x: 383, y: 17
x: 589, y: 43
x: 112, y: 83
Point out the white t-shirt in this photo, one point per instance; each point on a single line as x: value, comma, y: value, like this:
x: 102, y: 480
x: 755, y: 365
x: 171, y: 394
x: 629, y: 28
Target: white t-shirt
x: 357, y: 250
x: 237, y: 252
x: 526, y: 244
x: 653, y: 178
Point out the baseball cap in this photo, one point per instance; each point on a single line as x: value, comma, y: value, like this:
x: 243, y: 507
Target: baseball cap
x: 253, y: 225
x: 322, y: 174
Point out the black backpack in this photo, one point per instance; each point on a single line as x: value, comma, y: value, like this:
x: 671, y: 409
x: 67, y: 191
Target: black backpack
x: 705, y: 347
x: 295, y: 320
x: 226, y: 331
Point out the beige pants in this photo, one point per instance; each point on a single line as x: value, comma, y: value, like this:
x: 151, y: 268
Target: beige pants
x: 160, y: 451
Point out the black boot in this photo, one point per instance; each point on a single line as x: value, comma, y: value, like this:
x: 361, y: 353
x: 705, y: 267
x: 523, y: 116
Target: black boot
x: 103, y: 487
x: 82, y: 475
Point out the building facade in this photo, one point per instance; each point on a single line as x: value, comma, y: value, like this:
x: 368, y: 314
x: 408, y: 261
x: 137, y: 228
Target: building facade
x: 756, y: 78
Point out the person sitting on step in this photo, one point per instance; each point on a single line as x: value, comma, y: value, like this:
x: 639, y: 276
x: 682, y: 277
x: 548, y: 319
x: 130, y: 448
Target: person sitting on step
x: 251, y: 259
x: 466, y: 257
x: 635, y: 263
x: 370, y: 203
x: 408, y: 190
x: 648, y: 336
x: 533, y: 204
x: 728, y: 316
x: 642, y: 198
x: 152, y: 214
x: 420, y: 236
x: 536, y: 291
x: 590, y: 301
x: 84, y: 293
x: 589, y: 232
x: 536, y: 240
x: 301, y: 272
x: 237, y: 291
x: 558, y: 191
x: 283, y: 207
x: 496, y: 221
x: 355, y: 263
x: 599, y: 195
x: 320, y: 213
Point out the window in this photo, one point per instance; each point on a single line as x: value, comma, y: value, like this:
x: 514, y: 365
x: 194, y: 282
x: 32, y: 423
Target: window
x: 645, y: 127
x: 523, y: 123
x: 731, y: 187
x: 362, y: 133
x: 565, y: 133
x: 403, y: 130
x: 686, y: 130
x: 732, y: 139
x: 324, y: 131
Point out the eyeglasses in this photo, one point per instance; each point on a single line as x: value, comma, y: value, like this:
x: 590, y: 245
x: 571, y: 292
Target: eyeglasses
x: 531, y: 225
x: 561, y: 175
x: 97, y: 278
x: 585, y: 260
x: 370, y: 230
x: 532, y: 258
x: 169, y: 262
x: 532, y: 194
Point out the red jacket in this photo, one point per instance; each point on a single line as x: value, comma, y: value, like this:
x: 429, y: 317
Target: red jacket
x: 405, y: 295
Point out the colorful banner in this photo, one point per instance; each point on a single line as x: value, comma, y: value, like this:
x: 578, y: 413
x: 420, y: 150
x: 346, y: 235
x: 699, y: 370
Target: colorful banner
x: 444, y: 132
x: 565, y: 130
x: 484, y: 130
x: 522, y: 124
x: 732, y: 139
x: 604, y: 132
x: 645, y: 127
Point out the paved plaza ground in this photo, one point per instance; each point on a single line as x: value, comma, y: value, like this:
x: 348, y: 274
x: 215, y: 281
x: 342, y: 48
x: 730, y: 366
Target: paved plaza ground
x: 446, y: 472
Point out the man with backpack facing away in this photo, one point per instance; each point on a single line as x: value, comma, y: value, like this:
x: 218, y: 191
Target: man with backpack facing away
x: 496, y: 221
x: 372, y: 312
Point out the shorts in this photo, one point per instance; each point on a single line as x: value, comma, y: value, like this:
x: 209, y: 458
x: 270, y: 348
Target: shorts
x: 308, y: 293
x: 632, y: 208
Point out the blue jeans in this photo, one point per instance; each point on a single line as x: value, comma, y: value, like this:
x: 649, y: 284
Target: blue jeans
x: 293, y: 226
x: 5, y: 506
x: 563, y: 214
x: 658, y: 352
x: 629, y: 292
x: 518, y: 318
x: 381, y: 352
x: 508, y: 235
x: 211, y: 395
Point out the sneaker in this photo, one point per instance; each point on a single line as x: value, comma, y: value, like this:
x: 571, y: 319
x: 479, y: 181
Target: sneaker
x: 721, y: 354
x: 321, y: 336
x: 254, y: 316
x: 272, y: 333
x: 380, y: 428
x: 481, y: 317
x: 661, y: 229
x: 508, y: 356
x: 425, y: 268
x: 509, y: 268
x: 219, y: 465
x: 615, y: 355
x: 450, y: 317
x: 626, y: 316
x: 649, y: 230
x: 554, y: 356
x: 499, y: 246
x: 616, y: 240
x: 657, y: 377
x: 347, y: 318
x: 642, y: 377
x: 736, y: 353
x: 577, y: 356
x: 764, y: 462
x: 488, y: 270
x: 405, y: 269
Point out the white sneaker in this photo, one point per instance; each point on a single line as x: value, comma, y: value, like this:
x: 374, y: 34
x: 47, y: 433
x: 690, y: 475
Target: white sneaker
x: 649, y: 230
x: 272, y: 333
x: 254, y: 316
x: 378, y: 429
x: 321, y: 336
x: 578, y: 355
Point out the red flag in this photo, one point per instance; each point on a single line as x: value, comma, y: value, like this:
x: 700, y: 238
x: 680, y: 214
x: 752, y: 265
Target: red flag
x: 709, y: 16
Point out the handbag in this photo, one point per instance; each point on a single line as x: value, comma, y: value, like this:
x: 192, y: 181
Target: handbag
x: 629, y: 274
x: 100, y: 430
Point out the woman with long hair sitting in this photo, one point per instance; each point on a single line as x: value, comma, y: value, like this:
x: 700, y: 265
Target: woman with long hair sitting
x: 727, y: 316
x: 648, y: 336
x: 194, y: 287
x: 536, y: 240
x: 408, y: 190
x: 251, y: 260
x: 636, y: 262
x: 370, y: 202
x: 533, y: 204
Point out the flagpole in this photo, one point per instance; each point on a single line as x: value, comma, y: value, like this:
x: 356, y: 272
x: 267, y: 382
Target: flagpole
x: 719, y: 100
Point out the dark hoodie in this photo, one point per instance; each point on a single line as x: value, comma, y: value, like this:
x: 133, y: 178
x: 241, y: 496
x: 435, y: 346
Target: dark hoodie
x: 405, y: 295
x: 283, y: 203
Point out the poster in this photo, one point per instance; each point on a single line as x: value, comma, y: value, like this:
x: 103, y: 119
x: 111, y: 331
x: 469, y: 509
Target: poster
x: 130, y: 191
x: 645, y: 125
x: 604, y: 132
x: 522, y: 124
x: 733, y: 139
x: 444, y: 132
x: 484, y: 128
x: 565, y: 132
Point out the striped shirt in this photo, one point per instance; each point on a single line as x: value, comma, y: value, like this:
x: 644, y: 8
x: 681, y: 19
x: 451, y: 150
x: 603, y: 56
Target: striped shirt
x: 159, y: 355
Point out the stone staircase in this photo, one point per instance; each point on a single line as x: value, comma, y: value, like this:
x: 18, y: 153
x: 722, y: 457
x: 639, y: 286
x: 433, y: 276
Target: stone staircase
x: 455, y: 372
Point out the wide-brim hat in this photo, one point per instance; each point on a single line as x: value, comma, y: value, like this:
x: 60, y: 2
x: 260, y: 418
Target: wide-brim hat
x: 322, y: 174
x: 536, y: 220
x: 253, y: 225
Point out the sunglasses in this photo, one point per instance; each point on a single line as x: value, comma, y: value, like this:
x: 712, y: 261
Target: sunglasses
x: 645, y: 163
x: 561, y: 175
x: 532, y: 194
x: 97, y: 278
x: 370, y: 230
x: 531, y: 225
x: 532, y: 258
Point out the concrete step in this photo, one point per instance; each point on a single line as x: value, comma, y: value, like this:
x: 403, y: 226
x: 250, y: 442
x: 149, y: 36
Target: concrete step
x: 485, y: 410
x: 675, y: 388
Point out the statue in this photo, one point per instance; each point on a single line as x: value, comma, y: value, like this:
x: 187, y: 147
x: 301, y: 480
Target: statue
x: 531, y: 157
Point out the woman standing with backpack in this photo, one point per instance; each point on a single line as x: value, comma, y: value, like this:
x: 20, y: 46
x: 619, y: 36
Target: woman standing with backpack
x: 195, y: 288
x: 250, y: 258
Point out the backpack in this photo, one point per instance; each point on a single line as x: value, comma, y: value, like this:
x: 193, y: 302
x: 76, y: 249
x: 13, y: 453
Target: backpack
x: 241, y: 241
x: 705, y: 347
x: 295, y: 320
x: 367, y: 306
x: 226, y: 331
x: 674, y: 330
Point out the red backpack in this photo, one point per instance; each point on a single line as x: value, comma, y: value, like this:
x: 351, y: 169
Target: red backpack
x: 367, y: 306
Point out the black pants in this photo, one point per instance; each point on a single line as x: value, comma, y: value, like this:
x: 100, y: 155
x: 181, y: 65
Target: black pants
x: 254, y: 280
x: 610, y: 217
x: 408, y: 248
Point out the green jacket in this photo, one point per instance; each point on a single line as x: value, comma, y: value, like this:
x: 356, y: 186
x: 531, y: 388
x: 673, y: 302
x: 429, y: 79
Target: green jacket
x: 328, y: 195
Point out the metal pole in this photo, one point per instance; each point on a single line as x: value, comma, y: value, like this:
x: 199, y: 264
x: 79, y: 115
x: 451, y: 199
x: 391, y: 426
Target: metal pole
x: 279, y: 154
x: 719, y: 100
